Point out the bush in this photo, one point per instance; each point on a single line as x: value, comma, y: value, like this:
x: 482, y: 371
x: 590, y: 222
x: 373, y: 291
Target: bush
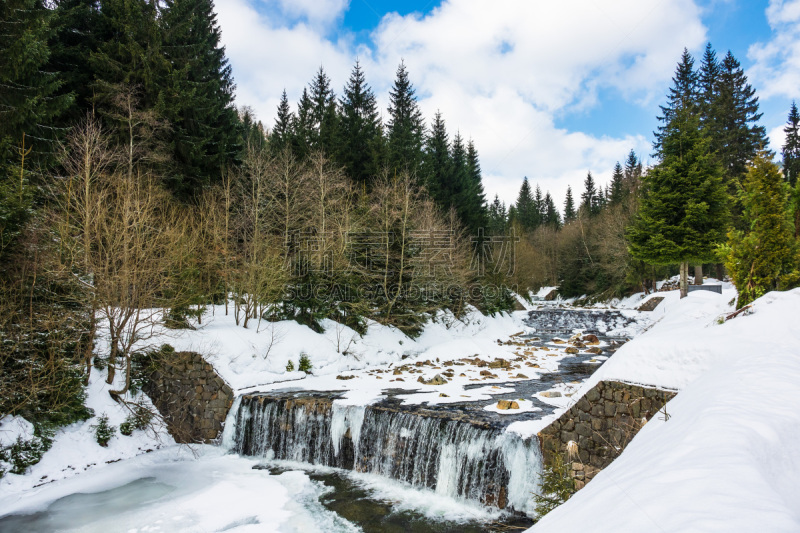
x: 126, y: 428
x: 103, y: 431
x: 305, y: 364
x: 290, y: 366
x: 24, y: 453
x: 557, y: 486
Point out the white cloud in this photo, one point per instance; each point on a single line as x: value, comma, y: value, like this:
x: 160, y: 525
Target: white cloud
x: 776, y: 68
x: 499, y: 73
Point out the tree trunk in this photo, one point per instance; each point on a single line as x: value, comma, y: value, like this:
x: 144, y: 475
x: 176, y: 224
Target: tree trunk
x: 720, y: 271
x: 684, y: 283
x: 698, y: 274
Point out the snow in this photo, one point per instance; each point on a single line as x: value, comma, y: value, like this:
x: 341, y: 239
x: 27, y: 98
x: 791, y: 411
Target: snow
x: 13, y: 428
x: 727, y: 458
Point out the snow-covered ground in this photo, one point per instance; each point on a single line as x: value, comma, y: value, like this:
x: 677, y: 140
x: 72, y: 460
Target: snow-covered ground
x: 727, y: 459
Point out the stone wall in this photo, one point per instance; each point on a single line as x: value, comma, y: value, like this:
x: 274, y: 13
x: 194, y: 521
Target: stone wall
x: 601, y: 423
x: 191, y: 397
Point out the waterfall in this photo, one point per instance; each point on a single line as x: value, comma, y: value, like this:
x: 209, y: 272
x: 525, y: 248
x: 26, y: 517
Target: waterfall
x: 452, y: 456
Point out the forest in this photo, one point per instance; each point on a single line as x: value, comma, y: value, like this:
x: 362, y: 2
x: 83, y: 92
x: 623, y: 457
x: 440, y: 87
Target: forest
x: 131, y: 181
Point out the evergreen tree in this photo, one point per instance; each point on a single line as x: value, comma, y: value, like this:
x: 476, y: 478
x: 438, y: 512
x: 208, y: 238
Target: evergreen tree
x: 459, y: 190
x: 281, y: 135
x: 590, y: 203
x: 682, y: 95
x: 436, y: 168
x: 541, y: 208
x: 737, y: 136
x: 476, y: 197
x: 765, y: 256
x: 791, y: 148
x: 633, y: 173
x: 682, y: 214
x: 359, y: 129
x: 302, y: 127
x: 497, y: 217
x: 525, y: 209
x: 198, y: 97
x: 708, y: 90
x: 29, y: 92
x: 75, y: 39
x: 323, y: 132
x: 617, y: 189
x: 405, y: 129
x: 570, y: 213
x: 551, y: 216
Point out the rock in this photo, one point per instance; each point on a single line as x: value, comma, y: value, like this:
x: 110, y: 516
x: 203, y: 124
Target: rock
x: 590, y: 339
x: 499, y: 363
x: 579, y: 344
x: 344, y: 377
x: 397, y: 372
x: 550, y: 394
x: 559, y: 341
x: 572, y: 350
x: 443, y: 395
x: 507, y: 404
x: 521, y: 376
x: 595, y: 350
x: 487, y: 374
x: 435, y: 380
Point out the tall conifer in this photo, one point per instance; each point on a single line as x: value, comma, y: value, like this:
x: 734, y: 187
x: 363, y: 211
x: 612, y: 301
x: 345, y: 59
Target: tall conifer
x: 405, y: 129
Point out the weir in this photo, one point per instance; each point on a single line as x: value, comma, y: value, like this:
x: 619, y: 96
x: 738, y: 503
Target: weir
x: 437, y: 450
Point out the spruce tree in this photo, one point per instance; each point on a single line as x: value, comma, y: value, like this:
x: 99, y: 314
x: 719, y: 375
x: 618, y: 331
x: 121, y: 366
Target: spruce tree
x: 682, y: 95
x: 590, y: 203
x: 617, y: 189
x: 198, y: 97
x: 570, y: 213
x: 497, y: 217
x: 682, y: 214
x: 359, y: 129
x: 765, y: 256
x: 525, y: 210
x: 29, y: 92
x: 324, y: 119
x: 436, y: 167
x: 281, y: 134
x: 708, y: 91
x: 551, y: 216
x: 476, y: 200
x: 737, y: 137
x: 405, y: 129
x: 538, y: 202
x: 459, y: 189
x: 303, y: 127
x: 791, y: 148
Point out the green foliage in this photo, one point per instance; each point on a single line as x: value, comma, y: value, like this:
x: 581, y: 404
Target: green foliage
x: 290, y: 366
x: 765, y: 256
x: 305, y: 363
x: 405, y: 129
x: 139, y: 419
x: 683, y: 212
x: 791, y: 148
x: 557, y: 486
x: 24, y: 453
x: 103, y: 431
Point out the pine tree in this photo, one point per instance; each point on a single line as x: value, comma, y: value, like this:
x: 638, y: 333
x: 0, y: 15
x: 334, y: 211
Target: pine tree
x: 75, y: 23
x: 525, y: 209
x: 708, y: 90
x: 436, y: 167
x: 198, y: 97
x: 359, y: 129
x: 323, y: 114
x: 459, y: 189
x: 570, y: 213
x: 497, y: 217
x: 590, y: 203
x: 682, y: 95
x: 303, y: 127
x: 682, y: 214
x: 29, y: 92
x: 618, y: 190
x: 737, y: 137
x: 791, y: 148
x: 538, y: 202
x: 551, y: 216
x: 476, y: 197
x: 405, y: 129
x: 765, y: 256
x: 281, y: 135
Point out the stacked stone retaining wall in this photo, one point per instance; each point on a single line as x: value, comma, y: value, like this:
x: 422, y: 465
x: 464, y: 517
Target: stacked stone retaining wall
x: 191, y: 397
x: 601, y: 424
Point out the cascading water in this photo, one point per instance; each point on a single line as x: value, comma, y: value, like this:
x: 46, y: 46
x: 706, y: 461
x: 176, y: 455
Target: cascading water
x: 453, y: 457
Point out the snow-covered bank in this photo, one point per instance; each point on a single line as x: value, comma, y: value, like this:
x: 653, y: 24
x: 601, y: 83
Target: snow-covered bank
x: 727, y: 457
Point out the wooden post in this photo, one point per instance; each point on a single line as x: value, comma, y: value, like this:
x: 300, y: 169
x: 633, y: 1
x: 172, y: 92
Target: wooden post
x: 684, y: 283
x: 698, y: 274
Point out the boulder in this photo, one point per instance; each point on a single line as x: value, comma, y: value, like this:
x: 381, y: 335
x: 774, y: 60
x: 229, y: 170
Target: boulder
x: 591, y: 339
x: 572, y: 350
x: 435, y: 380
x: 550, y: 394
x: 507, y: 404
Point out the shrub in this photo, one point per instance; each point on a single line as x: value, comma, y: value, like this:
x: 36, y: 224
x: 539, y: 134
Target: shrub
x: 290, y: 366
x: 557, y: 486
x: 24, y: 453
x: 103, y: 431
x: 126, y: 428
x: 305, y: 363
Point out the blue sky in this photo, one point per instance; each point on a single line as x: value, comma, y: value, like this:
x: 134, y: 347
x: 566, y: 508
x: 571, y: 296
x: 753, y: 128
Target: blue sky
x: 546, y: 90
